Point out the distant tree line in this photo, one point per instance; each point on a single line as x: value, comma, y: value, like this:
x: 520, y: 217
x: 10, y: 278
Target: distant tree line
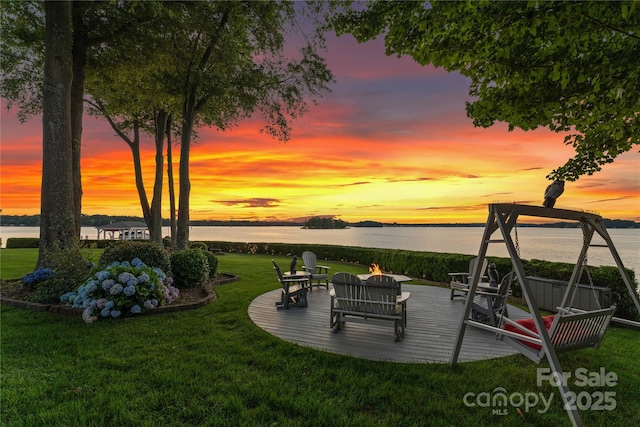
x: 319, y: 222
x: 86, y: 220
x: 315, y: 222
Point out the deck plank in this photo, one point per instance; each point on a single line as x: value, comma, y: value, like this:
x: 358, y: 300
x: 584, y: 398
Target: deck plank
x: 432, y: 326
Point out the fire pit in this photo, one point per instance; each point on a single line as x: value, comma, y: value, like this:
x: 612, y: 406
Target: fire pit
x: 376, y: 271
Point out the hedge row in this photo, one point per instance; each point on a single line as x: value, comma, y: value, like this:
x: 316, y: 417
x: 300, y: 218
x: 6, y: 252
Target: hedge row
x: 33, y: 242
x: 432, y: 266
x: 435, y: 266
x: 22, y: 242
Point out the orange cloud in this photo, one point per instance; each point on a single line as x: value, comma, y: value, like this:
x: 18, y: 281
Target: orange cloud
x: 391, y: 143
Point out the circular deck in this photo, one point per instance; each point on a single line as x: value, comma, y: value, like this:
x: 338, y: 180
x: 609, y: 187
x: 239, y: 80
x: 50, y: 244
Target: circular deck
x: 432, y: 327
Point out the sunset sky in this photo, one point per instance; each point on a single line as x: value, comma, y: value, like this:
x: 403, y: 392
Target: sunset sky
x: 390, y: 143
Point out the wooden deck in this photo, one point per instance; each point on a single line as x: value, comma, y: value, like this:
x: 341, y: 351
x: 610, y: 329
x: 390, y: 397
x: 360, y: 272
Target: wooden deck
x: 432, y: 326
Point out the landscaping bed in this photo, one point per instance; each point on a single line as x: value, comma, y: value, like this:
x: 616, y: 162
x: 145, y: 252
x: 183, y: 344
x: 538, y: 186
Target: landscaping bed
x: 11, y: 293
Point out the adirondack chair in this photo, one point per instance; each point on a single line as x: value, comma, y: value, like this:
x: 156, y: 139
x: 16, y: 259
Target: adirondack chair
x: 492, y: 302
x: 460, y: 281
x: 294, y: 290
x: 318, y: 273
x: 401, y: 297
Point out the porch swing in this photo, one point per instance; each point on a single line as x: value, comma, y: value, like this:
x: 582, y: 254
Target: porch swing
x: 569, y: 329
x: 544, y: 336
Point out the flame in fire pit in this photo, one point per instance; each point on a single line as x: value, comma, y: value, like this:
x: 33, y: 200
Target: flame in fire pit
x: 375, y: 270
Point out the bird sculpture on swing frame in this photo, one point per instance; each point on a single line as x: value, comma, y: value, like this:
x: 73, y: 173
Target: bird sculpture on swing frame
x: 553, y: 191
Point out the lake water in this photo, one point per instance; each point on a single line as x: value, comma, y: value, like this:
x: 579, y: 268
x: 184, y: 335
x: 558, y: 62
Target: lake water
x: 550, y: 244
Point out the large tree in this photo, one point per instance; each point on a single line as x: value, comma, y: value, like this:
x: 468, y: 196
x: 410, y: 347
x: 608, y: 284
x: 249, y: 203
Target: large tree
x: 22, y: 57
x: 129, y: 130
x: 229, y: 62
x: 126, y: 87
x: 573, y: 67
x: 57, y: 221
x: 207, y: 64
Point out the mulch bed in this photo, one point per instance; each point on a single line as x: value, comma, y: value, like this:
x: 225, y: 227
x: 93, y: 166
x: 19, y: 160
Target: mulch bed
x: 12, y: 294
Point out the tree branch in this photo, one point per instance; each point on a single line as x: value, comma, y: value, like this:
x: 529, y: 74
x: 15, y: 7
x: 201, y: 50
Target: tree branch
x: 611, y: 27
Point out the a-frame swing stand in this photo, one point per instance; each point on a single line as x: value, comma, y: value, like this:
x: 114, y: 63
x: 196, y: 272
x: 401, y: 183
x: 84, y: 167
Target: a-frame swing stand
x: 503, y: 217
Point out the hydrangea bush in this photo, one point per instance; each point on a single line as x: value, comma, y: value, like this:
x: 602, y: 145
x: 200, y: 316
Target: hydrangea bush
x: 121, y: 289
x: 31, y: 280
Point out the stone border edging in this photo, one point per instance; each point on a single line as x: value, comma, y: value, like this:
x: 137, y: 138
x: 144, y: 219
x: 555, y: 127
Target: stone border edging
x: 209, y: 295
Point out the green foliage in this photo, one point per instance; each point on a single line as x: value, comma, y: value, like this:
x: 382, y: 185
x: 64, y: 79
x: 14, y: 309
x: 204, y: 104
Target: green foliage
x: 71, y: 268
x: 166, y: 242
x: 190, y: 268
x: 99, y: 244
x: 198, y: 245
x: 319, y: 222
x: 49, y: 292
x: 610, y: 276
x: 152, y: 254
x: 212, y: 261
x: 86, y: 220
x: 22, y: 242
x: 22, y: 31
x: 572, y: 67
x: 71, y: 262
x: 205, y: 63
x: 33, y: 242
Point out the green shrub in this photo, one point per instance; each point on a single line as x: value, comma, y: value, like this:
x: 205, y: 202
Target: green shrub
x: 98, y: 244
x: 190, y: 268
x: 212, y: 260
x: 49, y: 291
x: 625, y: 308
x: 22, y: 242
x: 70, y: 267
x: 151, y: 253
x: 198, y: 245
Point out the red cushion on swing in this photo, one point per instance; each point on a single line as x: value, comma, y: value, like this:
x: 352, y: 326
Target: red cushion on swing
x: 530, y: 325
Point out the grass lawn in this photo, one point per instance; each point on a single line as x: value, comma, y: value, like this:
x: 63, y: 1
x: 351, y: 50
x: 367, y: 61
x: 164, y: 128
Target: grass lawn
x: 15, y: 263
x: 213, y: 367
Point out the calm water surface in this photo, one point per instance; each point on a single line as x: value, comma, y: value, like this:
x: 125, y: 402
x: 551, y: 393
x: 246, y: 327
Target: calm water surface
x: 551, y: 244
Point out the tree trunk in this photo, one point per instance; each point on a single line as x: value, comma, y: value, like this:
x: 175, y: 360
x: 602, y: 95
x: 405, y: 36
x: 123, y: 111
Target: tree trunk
x: 79, y: 52
x: 182, y: 240
x: 155, y: 226
x: 172, y: 192
x: 57, y: 219
x: 137, y: 168
x: 152, y: 214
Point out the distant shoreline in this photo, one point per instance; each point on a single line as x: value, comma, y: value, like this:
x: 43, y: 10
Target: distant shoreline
x: 94, y: 220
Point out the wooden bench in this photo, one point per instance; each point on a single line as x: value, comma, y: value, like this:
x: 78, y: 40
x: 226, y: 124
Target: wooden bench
x: 377, y: 298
